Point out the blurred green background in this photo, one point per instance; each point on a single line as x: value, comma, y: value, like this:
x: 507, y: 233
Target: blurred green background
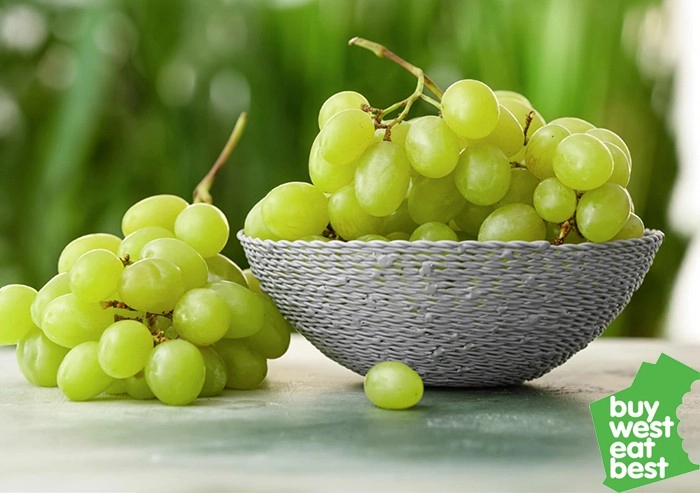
x: 105, y: 102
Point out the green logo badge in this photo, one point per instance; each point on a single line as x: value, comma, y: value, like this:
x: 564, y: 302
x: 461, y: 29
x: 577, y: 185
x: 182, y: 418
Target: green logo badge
x: 636, y: 427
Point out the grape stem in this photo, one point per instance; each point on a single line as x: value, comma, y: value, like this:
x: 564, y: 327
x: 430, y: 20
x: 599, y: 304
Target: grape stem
x: 201, y: 192
x: 566, y: 228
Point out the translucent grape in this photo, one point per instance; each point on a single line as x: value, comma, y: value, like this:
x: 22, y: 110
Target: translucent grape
x: 246, y: 368
x: 80, y: 376
x: 523, y: 112
x: 471, y: 217
x: 137, y: 387
x: 151, y: 285
x: 633, y: 228
x: 582, y: 162
x: 201, y: 316
x: 398, y: 235
x: 222, y: 268
x: 611, y: 137
x: 541, y: 148
x: 621, y: 165
x: 123, y: 348
x: 84, y: 244
x: 247, y: 312
x: 348, y: 218
x: 521, y: 189
x: 346, y: 135
x: 554, y: 201
x: 399, y: 220
x: 602, y: 212
x: 204, y: 227
x: 118, y: 387
x: 433, y: 231
x: 503, y: 94
x: 192, y: 265
x: 393, y: 385
x: 573, y: 124
x: 294, y: 210
x: 399, y: 132
x: 132, y: 244
x: 513, y: 222
x: 434, y: 200
x: 372, y: 237
x: 508, y: 134
x: 216, y: 373
x: 272, y: 340
x: 344, y: 100
x: 57, y: 286
x: 482, y: 175
x: 157, y: 210
x: 326, y: 176
x: 95, y: 275
x: 470, y: 108
x: 175, y: 372
x: 38, y: 358
x: 69, y: 321
x: 253, y: 282
x: 382, y: 178
x: 255, y: 226
x: 432, y: 147
x: 15, y: 312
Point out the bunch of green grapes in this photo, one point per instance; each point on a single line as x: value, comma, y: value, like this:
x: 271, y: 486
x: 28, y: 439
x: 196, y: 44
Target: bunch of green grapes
x: 486, y: 166
x: 159, y: 313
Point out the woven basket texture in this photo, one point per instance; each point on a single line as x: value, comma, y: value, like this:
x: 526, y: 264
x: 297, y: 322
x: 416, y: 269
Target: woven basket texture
x: 462, y: 314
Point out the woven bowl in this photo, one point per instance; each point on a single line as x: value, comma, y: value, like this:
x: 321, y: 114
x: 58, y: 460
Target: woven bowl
x: 462, y: 314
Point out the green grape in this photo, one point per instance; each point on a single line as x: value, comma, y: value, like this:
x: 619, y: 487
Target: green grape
x: 222, y: 268
x: 246, y: 368
x: 471, y: 217
x: 123, y: 348
x: 482, y: 175
x: 507, y: 136
x: 348, y: 218
x: 157, y: 210
x: 253, y: 282
x: 175, y: 372
x: 432, y: 147
x: 372, y: 237
x: 433, y: 231
x: 247, y: 311
x: 325, y: 176
x: 399, y: 235
x: 522, y: 187
x: 201, y: 316
x: 137, y: 387
x: 344, y: 100
x: 84, y: 244
x: 554, y: 201
x: 633, y: 228
x: 15, y: 312
x: 38, y: 358
x: 621, y: 165
x: 255, y: 226
x: 80, y: 376
x: 57, y: 286
x: 582, y: 162
x: 95, y: 275
x: 502, y: 94
x: 434, y: 200
x: 69, y: 321
x: 382, y: 178
x: 272, y: 340
x: 216, y: 373
x: 602, y: 212
x: 345, y: 136
x: 399, y: 133
x: 118, y: 387
x: 540, y: 150
x: 294, y: 210
x: 470, y: 108
x: 399, y: 220
x: 315, y: 238
x: 132, y: 244
x: 151, y: 285
x: 192, y: 265
x: 573, y: 124
x: 393, y: 385
x: 522, y: 112
x: 611, y: 137
x: 204, y: 227
x: 513, y: 222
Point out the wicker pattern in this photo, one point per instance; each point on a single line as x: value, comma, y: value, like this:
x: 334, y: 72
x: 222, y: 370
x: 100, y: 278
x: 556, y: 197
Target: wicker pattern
x: 462, y: 314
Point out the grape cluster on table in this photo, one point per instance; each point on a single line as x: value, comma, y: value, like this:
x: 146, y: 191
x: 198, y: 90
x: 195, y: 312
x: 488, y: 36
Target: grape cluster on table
x: 485, y: 167
x: 159, y: 313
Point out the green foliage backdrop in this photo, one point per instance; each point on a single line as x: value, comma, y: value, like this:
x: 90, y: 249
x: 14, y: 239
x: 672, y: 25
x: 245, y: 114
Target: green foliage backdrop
x: 118, y: 100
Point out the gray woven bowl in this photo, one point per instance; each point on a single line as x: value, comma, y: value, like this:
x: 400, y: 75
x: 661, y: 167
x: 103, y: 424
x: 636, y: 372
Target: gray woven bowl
x: 462, y: 314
